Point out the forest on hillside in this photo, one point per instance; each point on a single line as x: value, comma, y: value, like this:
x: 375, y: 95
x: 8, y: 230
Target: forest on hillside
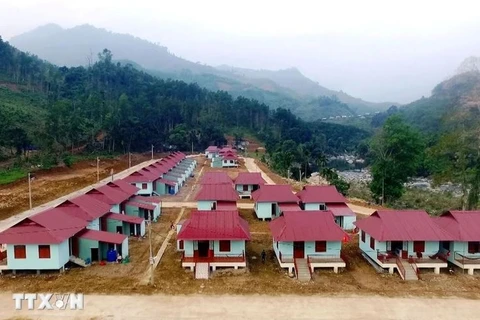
x: 112, y: 107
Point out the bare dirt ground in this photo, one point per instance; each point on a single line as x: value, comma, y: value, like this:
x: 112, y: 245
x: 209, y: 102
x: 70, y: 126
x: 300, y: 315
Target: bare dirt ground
x: 51, y: 184
x: 197, y: 306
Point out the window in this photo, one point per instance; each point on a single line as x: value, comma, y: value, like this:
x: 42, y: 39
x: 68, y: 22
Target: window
x: 372, y: 243
x: 322, y: 207
x: 418, y: 246
x: 44, y: 252
x: 144, y: 186
x: 473, y: 247
x: 320, y: 246
x: 245, y: 187
x: 180, y: 244
x: 231, y: 161
x: 224, y: 246
x: 19, y: 252
x: 362, y: 235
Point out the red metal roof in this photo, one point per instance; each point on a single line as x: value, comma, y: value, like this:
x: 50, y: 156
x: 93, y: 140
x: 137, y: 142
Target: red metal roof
x: 140, y: 176
x: 306, y: 226
x: 124, y: 186
x: 168, y: 182
x: 402, y: 225
x: 288, y: 207
x: 160, y: 167
x: 115, y: 195
x: 461, y: 225
x: 214, y: 225
x: 211, y: 149
x: 281, y: 193
x: 321, y: 194
x: 229, y: 157
x: 253, y: 178
x: 216, y: 177
x: 142, y: 205
x: 47, y: 227
x: 124, y: 217
x: 152, y: 199
x: 102, y: 236
x: 217, y: 192
x: 226, y: 205
x: 340, y: 209
x: 94, y: 208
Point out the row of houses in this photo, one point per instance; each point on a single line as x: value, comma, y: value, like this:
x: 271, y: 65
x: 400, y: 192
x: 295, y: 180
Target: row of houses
x: 85, y: 228
x: 215, y: 234
x: 410, y: 240
x: 222, y: 157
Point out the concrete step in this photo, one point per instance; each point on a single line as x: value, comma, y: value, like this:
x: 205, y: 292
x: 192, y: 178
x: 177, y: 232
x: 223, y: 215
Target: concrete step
x: 78, y: 261
x: 303, y: 271
x: 202, y: 270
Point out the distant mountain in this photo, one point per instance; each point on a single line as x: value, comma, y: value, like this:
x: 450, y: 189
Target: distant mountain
x: 449, y: 99
x: 293, y: 79
x: 469, y: 64
x: 287, y: 88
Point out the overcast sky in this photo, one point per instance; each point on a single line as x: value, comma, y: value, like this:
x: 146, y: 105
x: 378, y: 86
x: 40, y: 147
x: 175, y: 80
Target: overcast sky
x: 375, y: 50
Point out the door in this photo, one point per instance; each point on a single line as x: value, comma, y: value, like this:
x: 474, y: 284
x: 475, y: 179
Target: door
x: 214, y: 206
x: 103, y: 224
x: 94, y: 254
x: 120, y: 229
x: 75, y: 246
x: 274, y: 209
x: 397, y: 246
x: 203, y: 247
x: 299, y: 249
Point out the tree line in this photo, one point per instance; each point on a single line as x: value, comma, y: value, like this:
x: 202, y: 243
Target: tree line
x: 112, y: 107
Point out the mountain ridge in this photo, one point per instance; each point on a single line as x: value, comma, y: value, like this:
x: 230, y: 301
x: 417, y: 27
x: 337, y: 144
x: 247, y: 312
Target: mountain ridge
x: 278, y: 88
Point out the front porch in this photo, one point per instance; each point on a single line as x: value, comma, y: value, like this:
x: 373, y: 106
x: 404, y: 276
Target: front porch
x: 314, y: 261
x: 469, y: 262
x: 388, y: 260
x: 214, y: 260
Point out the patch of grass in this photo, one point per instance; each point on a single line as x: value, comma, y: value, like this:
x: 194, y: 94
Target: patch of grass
x: 12, y: 175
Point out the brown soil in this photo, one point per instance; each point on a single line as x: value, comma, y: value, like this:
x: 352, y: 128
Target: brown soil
x: 53, y: 183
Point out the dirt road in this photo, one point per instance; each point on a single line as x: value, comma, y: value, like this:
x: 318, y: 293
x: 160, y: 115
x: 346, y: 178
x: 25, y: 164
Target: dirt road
x: 252, y: 307
x: 189, y: 204
x: 252, y: 167
x: 361, y: 210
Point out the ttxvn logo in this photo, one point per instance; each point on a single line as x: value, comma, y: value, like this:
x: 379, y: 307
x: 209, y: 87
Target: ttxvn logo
x: 49, y: 301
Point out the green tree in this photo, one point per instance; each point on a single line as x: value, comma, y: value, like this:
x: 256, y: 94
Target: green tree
x: 396, y: 153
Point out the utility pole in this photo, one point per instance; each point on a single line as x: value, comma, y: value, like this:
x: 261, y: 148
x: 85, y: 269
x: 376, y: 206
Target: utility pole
x: 129, y: 160
x: 98, y: 169
x: 192, y: 147
x: 151, y: 250
x: 300, y: 174
x: 111, y: 173
x: 152, y: 151
x: 30, y: 190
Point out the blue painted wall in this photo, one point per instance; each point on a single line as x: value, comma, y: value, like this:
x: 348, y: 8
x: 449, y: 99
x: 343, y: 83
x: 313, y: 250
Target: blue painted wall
x: 59, y: 256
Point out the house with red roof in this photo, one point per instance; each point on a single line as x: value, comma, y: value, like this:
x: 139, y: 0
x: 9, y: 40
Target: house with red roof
x: 216, y: 197
x: 116, y: 220
x: 216, y: 177
x: 328, y: 198
x: 144, y: 180
x: 305, y: 240
x: 98, y: 241
x: 212, y: 239
x: 227, y: 159
x: 41, y: 242
x: 405, y: 240
x: 271, y: 200
x: 464, y: 248
x: 211, y: 152
x: 247, y: 182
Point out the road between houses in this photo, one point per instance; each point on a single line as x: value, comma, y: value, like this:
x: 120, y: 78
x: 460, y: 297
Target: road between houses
x: 252, y: 307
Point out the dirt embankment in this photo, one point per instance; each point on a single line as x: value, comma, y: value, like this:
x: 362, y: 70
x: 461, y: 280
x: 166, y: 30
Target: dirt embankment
x: 56, y: 182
